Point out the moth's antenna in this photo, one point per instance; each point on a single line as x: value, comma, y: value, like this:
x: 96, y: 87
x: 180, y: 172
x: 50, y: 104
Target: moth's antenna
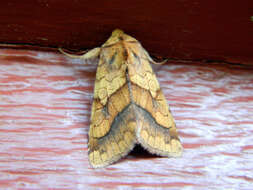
x: 88, y: 55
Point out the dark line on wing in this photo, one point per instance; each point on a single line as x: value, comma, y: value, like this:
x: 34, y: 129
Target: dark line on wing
x: 112, y: 58
x: 124, y: 114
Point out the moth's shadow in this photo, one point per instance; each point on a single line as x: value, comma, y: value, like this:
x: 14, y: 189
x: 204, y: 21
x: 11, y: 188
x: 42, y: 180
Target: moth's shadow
x: 140, y: 152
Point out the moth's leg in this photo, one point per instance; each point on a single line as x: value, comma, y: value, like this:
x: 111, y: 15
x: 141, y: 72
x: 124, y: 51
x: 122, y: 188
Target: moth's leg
x: 93, y: 53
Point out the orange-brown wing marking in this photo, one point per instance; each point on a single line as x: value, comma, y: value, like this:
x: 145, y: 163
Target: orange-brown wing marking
x: 110, y: 78
x: 120, y: 139
x: 156, y: 128
x: 158, y: 137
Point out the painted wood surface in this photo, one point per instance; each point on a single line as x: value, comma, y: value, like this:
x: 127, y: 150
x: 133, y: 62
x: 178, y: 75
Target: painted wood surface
x: 182, y: 29
x: 45, y: 102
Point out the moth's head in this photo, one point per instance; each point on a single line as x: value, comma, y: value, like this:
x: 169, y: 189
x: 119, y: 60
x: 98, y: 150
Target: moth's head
x: 117, y: 33
x: 117, y: 36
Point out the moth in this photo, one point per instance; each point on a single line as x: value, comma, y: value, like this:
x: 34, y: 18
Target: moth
x: 128, y: 105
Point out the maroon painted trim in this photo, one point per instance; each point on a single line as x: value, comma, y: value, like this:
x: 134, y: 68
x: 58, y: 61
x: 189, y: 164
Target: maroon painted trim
x: 198, y: 30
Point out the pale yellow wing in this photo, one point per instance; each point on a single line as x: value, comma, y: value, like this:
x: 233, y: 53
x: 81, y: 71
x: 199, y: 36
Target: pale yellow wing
x: 156, y: 127
x: 112, y: 128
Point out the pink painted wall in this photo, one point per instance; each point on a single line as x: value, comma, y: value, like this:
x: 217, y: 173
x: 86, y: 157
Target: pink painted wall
x: 45, y: 103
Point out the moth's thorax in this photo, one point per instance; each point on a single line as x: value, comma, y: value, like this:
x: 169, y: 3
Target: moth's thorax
x: 123, y: 53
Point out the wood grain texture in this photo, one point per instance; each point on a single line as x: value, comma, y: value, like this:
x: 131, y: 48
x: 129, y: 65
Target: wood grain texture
x: 45, y: 103
x: 184, y: 29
